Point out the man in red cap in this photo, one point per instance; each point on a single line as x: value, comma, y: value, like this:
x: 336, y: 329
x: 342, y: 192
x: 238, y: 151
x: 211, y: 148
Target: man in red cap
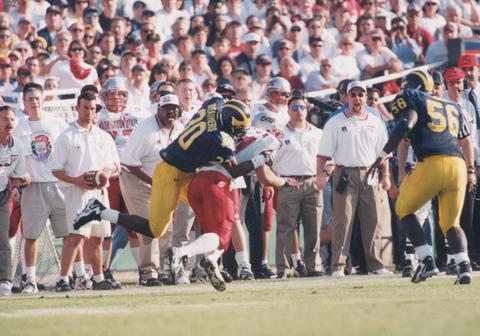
x: 455, y: 88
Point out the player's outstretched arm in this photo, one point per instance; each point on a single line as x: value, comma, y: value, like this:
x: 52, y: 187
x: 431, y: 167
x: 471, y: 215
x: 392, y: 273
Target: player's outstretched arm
x: 408, y: 118
x: 268, y: 178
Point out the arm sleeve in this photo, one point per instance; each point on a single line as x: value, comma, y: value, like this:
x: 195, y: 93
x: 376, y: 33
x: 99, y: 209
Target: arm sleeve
x: 60, y: 153
x: 326, y: 146
x: 135, y: 148
x: 464, y: 127
x: 20, y: 170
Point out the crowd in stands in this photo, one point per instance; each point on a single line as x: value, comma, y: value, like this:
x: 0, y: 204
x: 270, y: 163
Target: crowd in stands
x: 194, y: 48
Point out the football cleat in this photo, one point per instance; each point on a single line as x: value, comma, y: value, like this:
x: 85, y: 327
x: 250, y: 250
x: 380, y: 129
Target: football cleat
x: 62, y: 286
x: 91, y: 212
x: 464, y: 276
x: 107, y: 274
x: 265, y: 272
x: 103, y: 285
x: 178, y: 266
x: 246, y: 273
x: 214, y: 274
x: 300, y: 270
x: 30, y: 288
x: 426, y: 269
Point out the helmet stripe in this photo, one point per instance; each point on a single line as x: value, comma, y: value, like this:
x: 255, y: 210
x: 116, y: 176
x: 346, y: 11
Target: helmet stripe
x: 245, y: 117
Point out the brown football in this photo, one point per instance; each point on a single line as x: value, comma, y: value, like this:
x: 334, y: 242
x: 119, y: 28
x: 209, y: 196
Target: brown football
x: 95, y: 178
x: 89, y: 177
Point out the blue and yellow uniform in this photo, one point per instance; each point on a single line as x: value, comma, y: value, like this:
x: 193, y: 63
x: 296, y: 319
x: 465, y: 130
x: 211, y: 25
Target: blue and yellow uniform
x: 202, y: 141
x: 441, y: 169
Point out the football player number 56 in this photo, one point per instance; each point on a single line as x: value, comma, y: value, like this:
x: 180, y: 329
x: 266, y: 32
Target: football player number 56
x: 443, y: 116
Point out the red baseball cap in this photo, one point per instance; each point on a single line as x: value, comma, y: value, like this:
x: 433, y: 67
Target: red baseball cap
x: 467, y: 61
x: 454, y: 74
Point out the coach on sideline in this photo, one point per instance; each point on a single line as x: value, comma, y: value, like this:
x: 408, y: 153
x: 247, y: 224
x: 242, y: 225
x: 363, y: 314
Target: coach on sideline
x: 297, y: 159
x: 353, y: 139
x: 139, y: 159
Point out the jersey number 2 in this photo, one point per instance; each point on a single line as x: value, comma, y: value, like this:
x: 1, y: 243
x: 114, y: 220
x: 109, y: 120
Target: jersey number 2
x: 196, y: 126
x: 443, y: 116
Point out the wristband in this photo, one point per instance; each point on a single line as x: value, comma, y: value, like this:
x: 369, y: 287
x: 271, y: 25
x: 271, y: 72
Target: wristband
x: 258, y: 161
x: 283, y: 182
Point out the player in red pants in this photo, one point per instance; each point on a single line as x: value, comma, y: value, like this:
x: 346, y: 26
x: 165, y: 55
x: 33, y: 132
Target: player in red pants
x: 215, y: 205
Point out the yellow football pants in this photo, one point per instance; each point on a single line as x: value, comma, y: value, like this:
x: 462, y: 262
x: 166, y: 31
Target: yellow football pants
x: 445, y: 176
x: 169, y: 187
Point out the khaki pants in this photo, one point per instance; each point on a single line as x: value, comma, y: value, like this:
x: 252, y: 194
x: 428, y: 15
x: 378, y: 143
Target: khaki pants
x: 304, y: 202
x: 136, y: 194
x: 366, y: 200
x: 5, y: 248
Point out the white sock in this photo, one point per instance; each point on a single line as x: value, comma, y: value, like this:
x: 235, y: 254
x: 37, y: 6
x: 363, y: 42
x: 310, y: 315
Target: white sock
x: 460, y: 257
x: 264, y: 261
x: 409, y: 256
x: 449, y: 258
x: 423, y: 251
x: 98, y: 277
x: 136, y: 254
x: 242, y: 259
x: 295, y: 258
x: 214, y: 255
x: 64, y: 278
x: 88, y: 270
x: 105, y: 254
x: 207, y: 242
x: 110, y: 215
x: 30, y: 271
x: 79, y: 268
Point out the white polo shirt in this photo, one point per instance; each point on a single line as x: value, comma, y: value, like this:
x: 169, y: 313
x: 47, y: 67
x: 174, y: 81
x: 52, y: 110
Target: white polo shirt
x: 12, y: 162
x: 267, y: 120
x: 146, y: 141
x: 353, y: 141
x: 38, y: 137
x: 298, y: 154
x: 78, y: 150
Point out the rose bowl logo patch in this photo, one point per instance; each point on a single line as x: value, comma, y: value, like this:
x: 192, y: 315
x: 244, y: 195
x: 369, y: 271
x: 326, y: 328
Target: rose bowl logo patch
x: 41, y: 146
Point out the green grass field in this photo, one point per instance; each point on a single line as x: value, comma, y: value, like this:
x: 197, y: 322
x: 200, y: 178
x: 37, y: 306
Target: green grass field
x: 357, y: 305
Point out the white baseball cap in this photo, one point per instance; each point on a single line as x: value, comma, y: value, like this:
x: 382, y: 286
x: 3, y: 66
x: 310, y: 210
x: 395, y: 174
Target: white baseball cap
x: 356, y: 84
x: 169, y: 99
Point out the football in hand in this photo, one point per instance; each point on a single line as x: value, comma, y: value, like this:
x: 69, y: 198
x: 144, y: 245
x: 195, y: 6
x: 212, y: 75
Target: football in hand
x: 95, y: 178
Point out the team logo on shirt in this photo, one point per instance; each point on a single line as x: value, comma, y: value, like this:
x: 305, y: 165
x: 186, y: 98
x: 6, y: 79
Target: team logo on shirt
x: 41, y: 146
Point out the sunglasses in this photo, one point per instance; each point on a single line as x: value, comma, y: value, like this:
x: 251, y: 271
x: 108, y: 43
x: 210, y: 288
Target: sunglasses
x: 90, y: 16
x: 359, y: 95
x: 316, y: 26
x: 23, y: 74
x: 76, y: 49
x: 5, y: 36
x: 297, y: 108
x: 326, y: 65
x: 377, y: 38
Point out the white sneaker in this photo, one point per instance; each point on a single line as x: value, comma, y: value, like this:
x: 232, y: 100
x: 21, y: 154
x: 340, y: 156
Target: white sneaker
x: 338, y: 274
x: 182, y: 276
x: 30, y: 288
x: 382, y: 272
x: 83, y: 283
x: 5, y: 288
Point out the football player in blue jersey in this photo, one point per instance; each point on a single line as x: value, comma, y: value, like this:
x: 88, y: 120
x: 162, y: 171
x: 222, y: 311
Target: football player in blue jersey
x: 209, y: 136
x: 441, y: 141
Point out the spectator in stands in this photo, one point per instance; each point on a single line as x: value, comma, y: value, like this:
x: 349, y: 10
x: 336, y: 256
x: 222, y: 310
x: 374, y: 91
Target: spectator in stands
x: 344, y: 64
x: 453, y: 13
x: 139, y: 91
x: 311, y: 62
x: 166, y: 18
x: 185, y: 70
x: 432, y: 21
x: 225, y: 68
x: 185, y: 47
x: 54, y: 23
x: 406, y: 48
x: 127, y: 61
x: 295, y: 35
x: 251, y: 47
x: 375, y: 59
x: 200, y: 69
x: 118, y: 27
x: 234, y: 32
x: 323, y: 78
x: 341, y: 15
x: 137, y: 10
x: 5, y: 74
x: 365, y: 25
x: 263, y: 69
x: 216, y: 29
x: 351, y: 193
x: 110, y: 8
x: 74, y: 72
x: 415, y: 31
x: 288, y: 70
x: 382, y: 20
x: 106, y: 42
x: 369, y: 7
x: 6, y: 42
x: 398, y: 7
x: 14, y: 174
x: 316, y: 28
x: 296, y: 159
x: 94, y: 55
x: 105, y: 73
x: 437, y: 51
x: 285, y: 48
x: 25, y: 29
x: 240, y: 78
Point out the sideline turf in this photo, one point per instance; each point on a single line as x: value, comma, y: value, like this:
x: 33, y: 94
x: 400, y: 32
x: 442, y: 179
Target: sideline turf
x: 358, y: 305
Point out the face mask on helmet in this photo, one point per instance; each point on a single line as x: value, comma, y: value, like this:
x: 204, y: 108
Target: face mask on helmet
x: 235, y: 118
x: 115, y: 94
x: 278, y: 91
x: 420, y: 80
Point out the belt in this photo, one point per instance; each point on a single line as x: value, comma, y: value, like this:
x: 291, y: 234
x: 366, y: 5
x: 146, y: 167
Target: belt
x: 301, y: 177
x: 345, y: 167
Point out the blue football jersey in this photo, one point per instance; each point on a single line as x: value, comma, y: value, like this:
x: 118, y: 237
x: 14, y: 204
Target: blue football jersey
x: 201, y: 141
x: 440, y: 123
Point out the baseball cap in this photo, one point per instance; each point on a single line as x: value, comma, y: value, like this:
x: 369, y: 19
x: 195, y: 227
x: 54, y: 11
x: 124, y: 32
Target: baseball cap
x: 454, y: 74
x: 263, y: 59
x: 432, y: 1
x: 297, y: 26
x: 468, y: 61
x: 251, y: 37
x: 169, y: 99
x: 343, y: 6
x: 380, y: 12
x: 54, y: 9
x: 376, y: 33
x: 24, y: 19
x: 356, y: 84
